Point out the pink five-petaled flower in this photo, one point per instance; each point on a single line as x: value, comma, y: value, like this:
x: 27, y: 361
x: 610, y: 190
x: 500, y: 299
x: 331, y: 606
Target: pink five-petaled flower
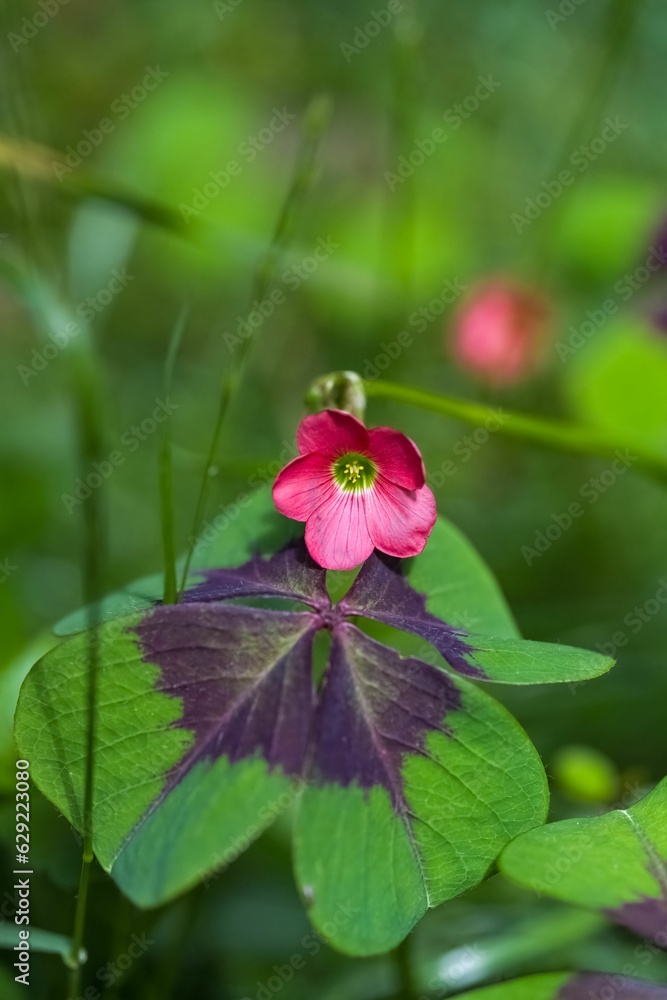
x: 357, y: 490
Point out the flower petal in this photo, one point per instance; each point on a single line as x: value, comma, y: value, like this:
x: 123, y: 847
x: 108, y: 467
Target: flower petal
x: 399, y: 520
x: 303, y: 485
x: 397, y: 457
x: 336, y: 534
x: 332, y: 433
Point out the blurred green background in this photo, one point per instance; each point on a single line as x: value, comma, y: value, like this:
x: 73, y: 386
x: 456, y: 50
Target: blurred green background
x: 231, y: 82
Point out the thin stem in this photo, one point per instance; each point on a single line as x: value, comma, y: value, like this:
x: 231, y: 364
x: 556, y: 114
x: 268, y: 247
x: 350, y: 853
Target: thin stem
x: 558, y: 435
x: 406, y: 978
x: 85, y: 393
x: 165, y: 467
x: 76, y: 957
x: 315, y: 123
x: 619, y: 31
x: 549, y: 935
x: 401, y: 245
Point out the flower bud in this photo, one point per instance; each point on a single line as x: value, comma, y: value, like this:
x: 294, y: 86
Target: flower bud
x: 338, y: 391
x: 501, y: 332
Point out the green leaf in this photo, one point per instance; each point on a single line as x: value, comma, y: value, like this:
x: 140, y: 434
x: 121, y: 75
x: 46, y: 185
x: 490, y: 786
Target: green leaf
x: 572, y: 986
x: 617, y: 382
x: 179, y: 788
x: 519, y: 661
x: 460, y: 587
x: 381, y: 592
x: 616, y: 863
x: 416, y: 782
x: 40, y: 941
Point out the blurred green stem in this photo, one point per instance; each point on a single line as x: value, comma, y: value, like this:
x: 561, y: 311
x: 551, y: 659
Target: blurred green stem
x: 165, y: 472
x: 315, y: 123
x: 54, y: 317
x: 406, y: 979
x: 558, y: 435
x: 86, y: 395
x: 621, y: 18
x: 401, y: 208
x: 512, y: 951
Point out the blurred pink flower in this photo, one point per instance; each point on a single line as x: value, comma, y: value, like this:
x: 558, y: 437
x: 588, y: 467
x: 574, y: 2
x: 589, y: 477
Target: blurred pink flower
x: 501, y: 331
x: 357, y: 490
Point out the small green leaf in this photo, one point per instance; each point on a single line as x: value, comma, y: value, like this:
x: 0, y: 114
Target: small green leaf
x: 616, y: 863
x: 518, y: 661
x: 572, y: 986
x: 617, y: 382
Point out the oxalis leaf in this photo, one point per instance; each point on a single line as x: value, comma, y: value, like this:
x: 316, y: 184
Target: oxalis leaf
x: 616, y: 863
x: 572, y: 986
x: 408, y: 780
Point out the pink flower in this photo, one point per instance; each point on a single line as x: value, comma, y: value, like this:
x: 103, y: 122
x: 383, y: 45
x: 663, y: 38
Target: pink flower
x: 501, y: 332
x: 357, y: 490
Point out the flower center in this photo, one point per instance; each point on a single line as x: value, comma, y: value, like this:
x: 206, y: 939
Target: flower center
x: 354, y: 472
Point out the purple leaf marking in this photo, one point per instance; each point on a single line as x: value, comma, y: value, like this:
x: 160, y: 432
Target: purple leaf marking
x: 244, y: 677
x: 290, y: 573
x: 381, y: 592
x: 376, y: 706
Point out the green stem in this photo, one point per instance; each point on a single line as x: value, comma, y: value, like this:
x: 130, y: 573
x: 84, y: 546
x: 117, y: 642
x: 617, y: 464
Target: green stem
x: 86, y: 394
x: 315, y: 123
x: 558, y: 435
x: 511, y: 952
x: 619, y: 32
x: 53, y: 316
x: 401, y: 244
x: 165, y: 468
x: 76, y: 957
x: 404, y: 969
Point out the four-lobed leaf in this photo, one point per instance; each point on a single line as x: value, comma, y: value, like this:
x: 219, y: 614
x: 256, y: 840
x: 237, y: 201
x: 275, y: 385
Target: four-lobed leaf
x: 616, y: 863
x: 408, y: 780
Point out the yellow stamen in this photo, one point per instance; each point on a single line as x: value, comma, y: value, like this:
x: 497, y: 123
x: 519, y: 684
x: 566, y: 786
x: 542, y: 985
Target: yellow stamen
x: 353, y: 471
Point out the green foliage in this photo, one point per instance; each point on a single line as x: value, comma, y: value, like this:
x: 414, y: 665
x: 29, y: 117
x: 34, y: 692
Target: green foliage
x: 615, y: 863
